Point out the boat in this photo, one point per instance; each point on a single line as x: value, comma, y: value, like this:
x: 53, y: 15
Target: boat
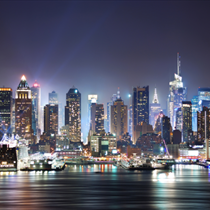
x: 136, y: 164
x: 163, y: 163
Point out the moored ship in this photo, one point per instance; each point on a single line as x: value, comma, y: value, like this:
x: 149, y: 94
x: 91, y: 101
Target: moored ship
x: 136, y: 164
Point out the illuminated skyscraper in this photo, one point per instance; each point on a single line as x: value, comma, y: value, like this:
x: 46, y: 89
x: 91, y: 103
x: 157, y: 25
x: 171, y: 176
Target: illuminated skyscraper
x: 154, y: 109
x: 36, y: 108
x: 130, y: 124
x: 119, y: 118
x: 6, y: 103
x: 99, y: 118
x: 140, y: 105
x: 51, y: 119
x: 109, y: 104
x: 92, y: 99
x: 53, y: 98
x: 195, y: 108
x: 108, y: 129
x: 203, y: 124
x: 187, y: 120
x: 177, y: 94
x: 179, y: 119
x: 203, y: 95
x: 23, y: 110
x: 73, y: 114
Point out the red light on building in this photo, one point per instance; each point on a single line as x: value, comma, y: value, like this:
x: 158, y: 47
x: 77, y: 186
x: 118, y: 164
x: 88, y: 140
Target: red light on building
x: 36, y: 85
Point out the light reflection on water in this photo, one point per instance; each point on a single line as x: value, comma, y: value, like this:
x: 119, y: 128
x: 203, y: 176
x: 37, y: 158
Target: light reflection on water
x: 78, y: 186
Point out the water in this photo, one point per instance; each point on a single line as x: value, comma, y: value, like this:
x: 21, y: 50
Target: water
x: 79, y: 187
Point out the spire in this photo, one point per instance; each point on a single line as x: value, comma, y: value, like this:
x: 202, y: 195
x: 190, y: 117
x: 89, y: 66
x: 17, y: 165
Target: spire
x: 23, y: 83
x: 155, y: 98
x: 178, y: 64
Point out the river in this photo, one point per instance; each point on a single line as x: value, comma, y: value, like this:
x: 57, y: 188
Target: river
x: 79, y: 187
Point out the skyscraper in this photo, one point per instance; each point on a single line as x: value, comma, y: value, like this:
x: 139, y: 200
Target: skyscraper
x: 92, y: 99
x: 99, y: 118
x: 154, y: 109
x: 23, y: 110
x: 187, y: 120
x: 6, y: 103
x: 195, y: 107
x: 51, y: 119
x: 177, y: 94
x: 108, y: 117
x: 36, y: 108
x: 53, y: 98
x: 179, y: 119
x: 166, y: 129
x: 130, y: 123
x: 203, y: 124
x: 73, y: 114
x: 109, y: 104
x: 119, y: 118
x: 140, y: 104
x: 203, y: 95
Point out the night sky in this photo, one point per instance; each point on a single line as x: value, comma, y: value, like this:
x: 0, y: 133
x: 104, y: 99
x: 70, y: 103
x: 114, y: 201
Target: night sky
x: 98, y: 46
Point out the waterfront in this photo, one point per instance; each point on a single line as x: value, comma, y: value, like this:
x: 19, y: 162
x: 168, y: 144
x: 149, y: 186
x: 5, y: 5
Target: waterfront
x: 79, y: 187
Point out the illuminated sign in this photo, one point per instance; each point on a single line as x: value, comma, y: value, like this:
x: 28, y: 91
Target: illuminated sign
x: 114, y: 151
x: 186, y: 105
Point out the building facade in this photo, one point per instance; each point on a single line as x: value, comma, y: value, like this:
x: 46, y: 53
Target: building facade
x: 179, y: 119
x: 140, y: 105
x: 36, y: 108
x: 166, y: 129
x: 23, y: 110
x: 187, y: 120
x: 119, y: 118
x: 6, y: 103
x: 99, y: 118
x: 203, y: 124
x: 73, y: 114
x: 195, y: 107
x: 51, y: 119
x: 53, y: 98
x: 177, y: 94
x: 155, y: 109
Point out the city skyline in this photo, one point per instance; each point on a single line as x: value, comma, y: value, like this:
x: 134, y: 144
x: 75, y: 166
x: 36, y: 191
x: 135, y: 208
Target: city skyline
x: 78, y: 44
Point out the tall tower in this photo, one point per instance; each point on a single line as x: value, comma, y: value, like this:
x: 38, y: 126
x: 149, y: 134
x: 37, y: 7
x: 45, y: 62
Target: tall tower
x: 73, y: 114
x: 23, y: 110
x: 154, y: 109
x: 119, y: 118
x: 99, y: 118
x: 51, y: 119
x: 6, y: 103
x: 92, y: 99
x: 203, y: 123
x: 177, y: 94
x: 36, y: 108
x: 140, y: 105
x: 187, y: 120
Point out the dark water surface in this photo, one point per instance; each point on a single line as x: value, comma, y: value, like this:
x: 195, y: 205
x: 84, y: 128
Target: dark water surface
x: 79, y: 187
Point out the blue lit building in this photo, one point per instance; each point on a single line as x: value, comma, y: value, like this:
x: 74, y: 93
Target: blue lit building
x: 194, y: 102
